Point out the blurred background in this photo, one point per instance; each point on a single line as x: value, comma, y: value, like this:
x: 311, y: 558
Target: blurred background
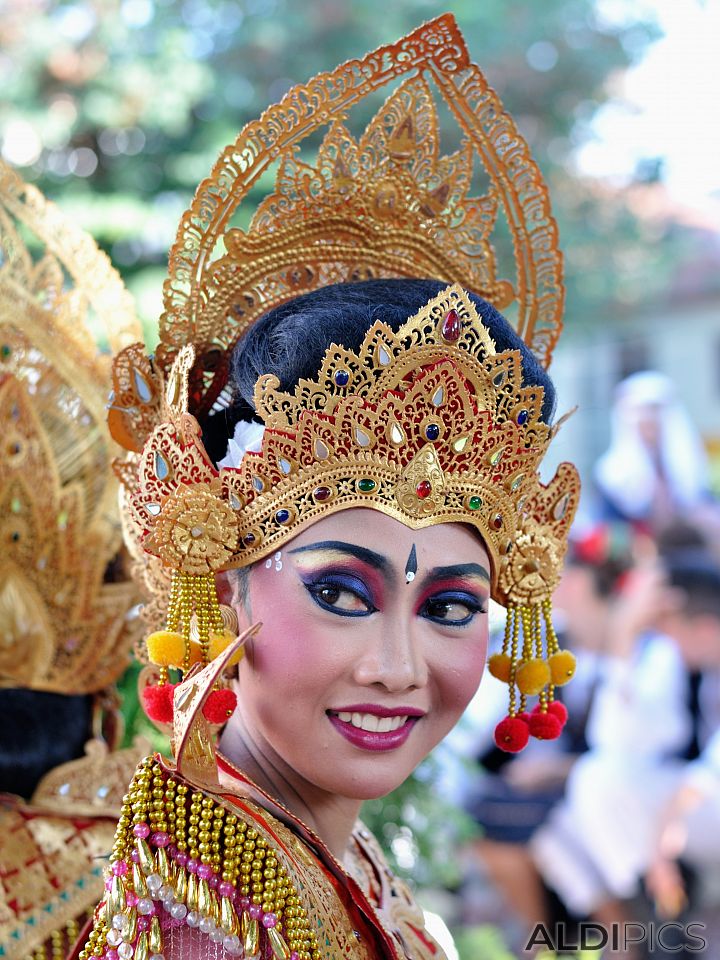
x: 116, y: 109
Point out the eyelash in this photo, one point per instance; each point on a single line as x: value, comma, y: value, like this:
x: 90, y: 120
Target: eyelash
x: 355, y: 586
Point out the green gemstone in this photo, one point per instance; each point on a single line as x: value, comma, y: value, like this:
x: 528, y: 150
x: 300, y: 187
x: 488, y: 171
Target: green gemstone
x: 15, y: 505
x: 5, y: 351
x: 474, y: 503
x: 366, y: 486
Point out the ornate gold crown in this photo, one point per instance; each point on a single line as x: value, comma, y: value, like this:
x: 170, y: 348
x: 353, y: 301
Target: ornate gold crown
x: 428, y: 424
x: 62, y: 627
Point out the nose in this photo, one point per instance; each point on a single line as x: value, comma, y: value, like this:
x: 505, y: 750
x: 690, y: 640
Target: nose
x: 393, y: 657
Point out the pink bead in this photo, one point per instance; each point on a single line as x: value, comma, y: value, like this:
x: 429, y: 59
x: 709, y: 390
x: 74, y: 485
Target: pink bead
x: 172, y: 851
x: 269, y: 920
x: 213, y: 881
x: 131, y: 898
x: 255, y: 911
x: 244, y: 902
x: 160, y: 839
x: 294, y: 955
x: 135, y: 856
x: 108, y: 884
x: 111, y: 954
x: 119, y: 868
x: 192, y: 866
x: 143, y: 923
x: 204, y: 871
x: 141, y: 830
x: 181, y: 858
x: 225, y: 889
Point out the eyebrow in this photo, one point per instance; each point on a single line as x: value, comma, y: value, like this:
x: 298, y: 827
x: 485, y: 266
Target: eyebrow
x: 456, y: 570
x: 370, y: 557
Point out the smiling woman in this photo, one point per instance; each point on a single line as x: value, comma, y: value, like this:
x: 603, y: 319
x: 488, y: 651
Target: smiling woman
x: 349, y: 455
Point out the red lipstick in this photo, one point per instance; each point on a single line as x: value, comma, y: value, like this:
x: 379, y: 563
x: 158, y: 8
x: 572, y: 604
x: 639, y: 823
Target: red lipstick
x: 375, y: 739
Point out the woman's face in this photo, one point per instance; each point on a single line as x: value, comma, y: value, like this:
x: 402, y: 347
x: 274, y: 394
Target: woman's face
x: 372, y: 644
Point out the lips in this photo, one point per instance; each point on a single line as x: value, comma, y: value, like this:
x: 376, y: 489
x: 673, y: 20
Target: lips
x: 372, y: 727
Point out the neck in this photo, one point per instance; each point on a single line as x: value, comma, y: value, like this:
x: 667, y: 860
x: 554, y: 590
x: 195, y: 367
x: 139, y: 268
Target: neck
x: 330, y: 816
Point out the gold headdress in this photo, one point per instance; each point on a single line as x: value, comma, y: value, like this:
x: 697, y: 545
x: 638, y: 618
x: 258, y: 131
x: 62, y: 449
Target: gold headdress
x: 429, y: 424
x: 63, y: 628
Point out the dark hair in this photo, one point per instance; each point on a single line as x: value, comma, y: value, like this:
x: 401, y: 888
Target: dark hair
x: 39, y: 732
x: 290, y: 341
x: 697, y: 574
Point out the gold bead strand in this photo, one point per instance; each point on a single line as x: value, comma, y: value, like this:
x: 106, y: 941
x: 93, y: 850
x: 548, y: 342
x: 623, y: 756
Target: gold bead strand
x: 194, y: 828
x: 181, y: 817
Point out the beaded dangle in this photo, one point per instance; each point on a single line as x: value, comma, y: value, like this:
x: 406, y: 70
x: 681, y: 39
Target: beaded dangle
x: 195, y: 634
x: 181, y: 858
x: 532, y: 664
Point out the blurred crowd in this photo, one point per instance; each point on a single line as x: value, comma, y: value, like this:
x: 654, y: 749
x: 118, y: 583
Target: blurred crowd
x: 619, y: 819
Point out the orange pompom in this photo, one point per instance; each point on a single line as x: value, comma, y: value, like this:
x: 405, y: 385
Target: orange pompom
x: 544, y: 726
x: 220, y: 642
x: 499, y: 666
x: 512, y: 734
x: 219, y: 706
x: 562, y: 667
x: 166, y: 648
x: 532, y: 676
x: 158, y: 702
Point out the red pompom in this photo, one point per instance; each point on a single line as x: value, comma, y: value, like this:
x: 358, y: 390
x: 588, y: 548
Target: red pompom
x: 158, y: 702
x: 219, y: 706
x: 512, y: 734
x: 558, y: 710
x: 544, y: 726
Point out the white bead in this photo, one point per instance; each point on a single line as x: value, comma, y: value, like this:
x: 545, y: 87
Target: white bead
x: 114, y: 937
x: 157, y: 956
x: 231, y: 945
x: 193, y: 918
x: 217, y: 935
x: 168, y: 905
x: 166, y: 892
x: 125, y: 951
x: 178, y: 911
x: 154, y: 882
x: 145, y: 906
x: 120, y: 922
x: 206, y: 925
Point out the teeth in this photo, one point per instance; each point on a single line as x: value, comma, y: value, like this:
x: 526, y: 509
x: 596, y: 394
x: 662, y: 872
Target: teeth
x: 371, y: 723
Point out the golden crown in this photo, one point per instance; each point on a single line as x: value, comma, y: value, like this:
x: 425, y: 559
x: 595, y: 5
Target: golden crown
x: 427, y: 425
x: 63, y: 628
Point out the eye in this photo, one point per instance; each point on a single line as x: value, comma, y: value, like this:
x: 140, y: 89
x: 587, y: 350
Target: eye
x: 455, y: 610
x: 345, y: 596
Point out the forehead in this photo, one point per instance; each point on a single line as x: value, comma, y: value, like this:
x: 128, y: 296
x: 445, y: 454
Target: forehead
x: 441, y: 544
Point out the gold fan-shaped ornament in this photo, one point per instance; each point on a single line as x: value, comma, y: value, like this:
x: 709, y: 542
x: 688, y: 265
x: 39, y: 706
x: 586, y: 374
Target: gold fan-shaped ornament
x: 63, y: 606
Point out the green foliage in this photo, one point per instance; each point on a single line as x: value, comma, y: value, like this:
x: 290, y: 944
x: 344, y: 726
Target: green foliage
x: 131, y: 102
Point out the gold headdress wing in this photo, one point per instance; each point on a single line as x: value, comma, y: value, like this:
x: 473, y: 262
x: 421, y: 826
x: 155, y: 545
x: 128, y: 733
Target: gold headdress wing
x: 63, y: 627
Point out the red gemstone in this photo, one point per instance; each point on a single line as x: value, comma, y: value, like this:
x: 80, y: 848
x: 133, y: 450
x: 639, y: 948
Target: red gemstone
x: 423, y: 489
x: 451, y: 326
x: 321, y: 494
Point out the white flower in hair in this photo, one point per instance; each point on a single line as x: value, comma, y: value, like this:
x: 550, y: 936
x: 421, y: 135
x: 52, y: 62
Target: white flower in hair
x: 247, y: 437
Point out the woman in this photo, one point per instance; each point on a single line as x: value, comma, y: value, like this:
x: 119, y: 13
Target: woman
x: 393, y: 491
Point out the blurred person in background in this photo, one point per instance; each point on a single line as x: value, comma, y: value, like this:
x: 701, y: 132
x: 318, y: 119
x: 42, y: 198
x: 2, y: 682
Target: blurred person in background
x: 651, y: 772
x: 65, y: 600
x: 655, y: 469
x: 510, y: 796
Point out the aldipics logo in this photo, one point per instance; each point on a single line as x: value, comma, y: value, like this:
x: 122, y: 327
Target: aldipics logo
x: 672, y: 937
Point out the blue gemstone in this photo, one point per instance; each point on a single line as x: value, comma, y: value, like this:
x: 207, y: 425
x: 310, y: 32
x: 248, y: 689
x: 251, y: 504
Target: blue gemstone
x: 432, y: 431
x: 249, y: 538
x: 342, y: 378
x: 522, y: 417
x: 282, y: 516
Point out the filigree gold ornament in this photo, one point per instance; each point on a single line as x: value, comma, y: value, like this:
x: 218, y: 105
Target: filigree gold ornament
x: 65, y: 625
x: 195, y: 531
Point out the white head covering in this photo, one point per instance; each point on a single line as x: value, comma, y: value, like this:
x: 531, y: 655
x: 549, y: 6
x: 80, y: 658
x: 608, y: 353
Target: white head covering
x: 247, y: 437
x: 627, y: 474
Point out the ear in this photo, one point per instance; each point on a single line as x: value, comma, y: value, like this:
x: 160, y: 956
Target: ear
x: 225, y: 588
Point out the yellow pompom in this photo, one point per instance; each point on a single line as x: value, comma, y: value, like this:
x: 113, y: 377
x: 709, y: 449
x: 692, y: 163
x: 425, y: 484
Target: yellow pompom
x: 562, y: 667
x: 195, y: 654
x: 532, y: 676
x: 166, y: 648
x: 499, y: 666
x: 220, y: 641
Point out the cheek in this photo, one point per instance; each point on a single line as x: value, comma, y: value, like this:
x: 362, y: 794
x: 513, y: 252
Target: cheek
x: 458, y: 672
